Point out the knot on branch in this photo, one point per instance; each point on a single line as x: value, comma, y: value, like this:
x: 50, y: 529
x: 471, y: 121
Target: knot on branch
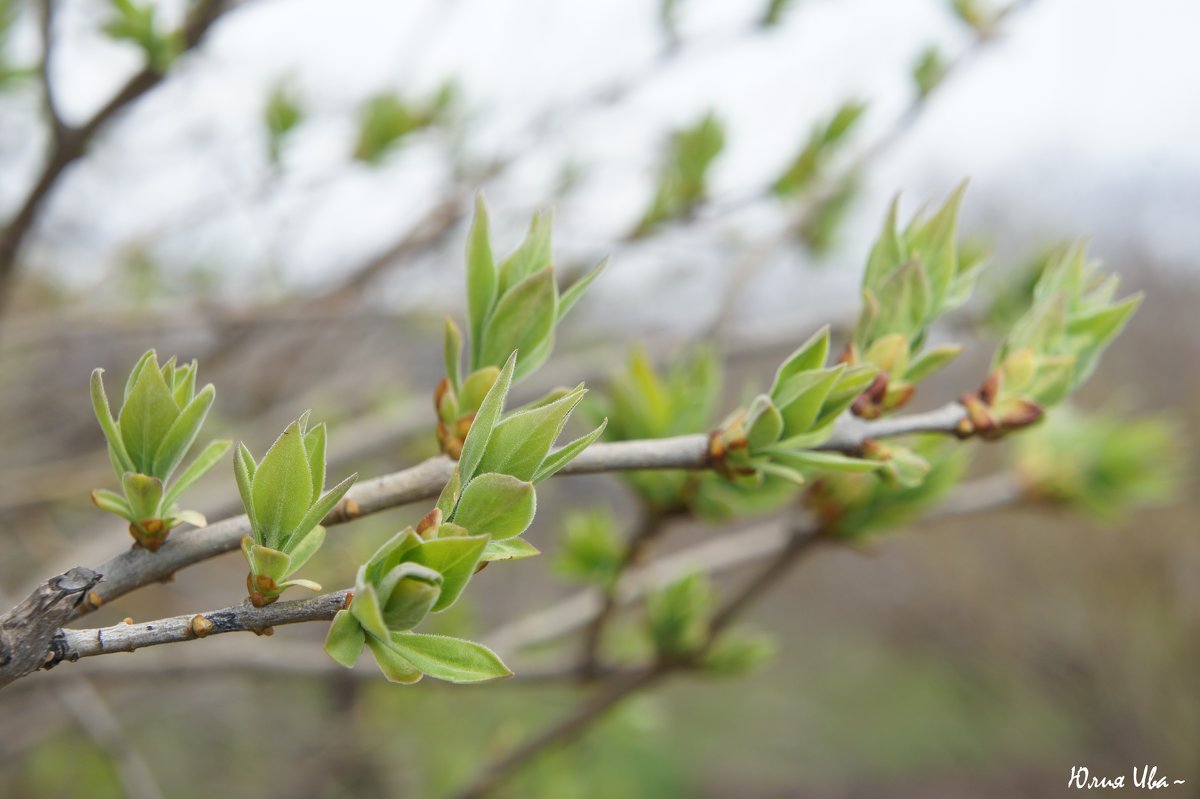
x: 28, y: 631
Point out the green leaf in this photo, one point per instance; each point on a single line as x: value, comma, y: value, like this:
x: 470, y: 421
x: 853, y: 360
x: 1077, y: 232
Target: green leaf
x: 765, y: 423
x: 828, y: 461
x: 930, y: 361
x: 452, y: 345
x: 481, y: 277
x: 531, y: 256
x: 243, y: 472
x: 321, y: 508
x: 802, y: 397
x: 304, y: 547
x: 315, y: 587
x: 509, y: 549
x: 108, y: 424
x: 199, y: 467
x: 390, y: 554
x: 113, y: 503
x: 182, y: 433
x: 808, y: 356
x: 367, y: 609
x: 456, y: 559
x: 556, y: 460
x: 498, y: 505
x: 450, y: 659
x: 520, y: 443
x: 448, y: 500
x: 271, y: 562
x: 192, y: 517
x: 410, y: 591
x: 282, y: 487
x: 147, y: 357
x: 314, y: 444
x: 485, y: 420
x: 571, y: 296
x: 392, y: 664
x: 144, y: 493
x: 345, y: 640
x: 524, y: 317
x: 146, y: 417
x: 476, y: 387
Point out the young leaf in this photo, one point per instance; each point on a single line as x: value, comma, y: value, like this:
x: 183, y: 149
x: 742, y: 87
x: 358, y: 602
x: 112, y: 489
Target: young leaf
x: 485, y: 420
x: 393, y: 665
x: 368, y: 610
x: 520, y: 443
x: 108, y: 424
x: 146, y: 417
x: 303, y: 548
x: 498, y: 505
x: 450, y: 659
x: 320, y: 509
x: 345, y: 640
x: 243, y: 472
x: 556, y: 460
x: 207, y: 459
x: 113, y: 503
x: 144, y: 494
x: 571, y: 296
x: 509, y: 549
x: 481, y: 277
x: 452, y: 345
x: 523, y: 318
x: 456, y: 559
x: 182, y: 433
x: 314, y: 445
x: 282, y: 487
x: 531, y: 256
x: 808, y: 356
x: 831, y: 461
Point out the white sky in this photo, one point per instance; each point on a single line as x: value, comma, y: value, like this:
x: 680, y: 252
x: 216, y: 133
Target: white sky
x: 1082, y: 120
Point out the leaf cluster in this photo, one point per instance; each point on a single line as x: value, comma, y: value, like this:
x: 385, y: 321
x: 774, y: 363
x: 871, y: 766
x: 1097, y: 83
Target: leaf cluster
x: 683, y: 175
x: 285, y: 500
x: 160, y: 417
x: 513, y: 305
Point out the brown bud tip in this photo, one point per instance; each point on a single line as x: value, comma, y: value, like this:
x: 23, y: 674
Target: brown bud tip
x: 94, y: 599
x: 199, y: 626
x: 430, y: 522
x: 990, y: 388
x: 849, y: 355
x: 443, y: 387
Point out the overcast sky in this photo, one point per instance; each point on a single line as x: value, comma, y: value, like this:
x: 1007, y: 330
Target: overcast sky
x: 1082, y: 120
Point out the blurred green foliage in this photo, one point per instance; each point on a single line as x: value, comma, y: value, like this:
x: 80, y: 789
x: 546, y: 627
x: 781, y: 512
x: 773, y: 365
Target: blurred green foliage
x: 683, y: 175
x: 386, y: 119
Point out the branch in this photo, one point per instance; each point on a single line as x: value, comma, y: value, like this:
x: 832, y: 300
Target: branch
x: 26, y: 630
x: 72, y: 142
x: 58, y: 127
x: 75, y: 644
x: 721, y: 554
x: 138, y: 567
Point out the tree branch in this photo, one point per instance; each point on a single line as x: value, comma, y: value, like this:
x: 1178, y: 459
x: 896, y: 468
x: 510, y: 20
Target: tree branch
x: 75, y: 644
x: 135, y: 568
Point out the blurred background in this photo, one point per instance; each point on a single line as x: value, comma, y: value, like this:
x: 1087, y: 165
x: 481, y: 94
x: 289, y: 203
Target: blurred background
x: 288, y: 204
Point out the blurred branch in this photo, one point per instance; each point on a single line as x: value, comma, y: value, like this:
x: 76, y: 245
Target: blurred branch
x: 71, y: 142
x: 828, y: 188
x: 94, y: 715
x: 58, y: 127
x: 799, y: 543
x: 135, y: 568
x: 650, y: 526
